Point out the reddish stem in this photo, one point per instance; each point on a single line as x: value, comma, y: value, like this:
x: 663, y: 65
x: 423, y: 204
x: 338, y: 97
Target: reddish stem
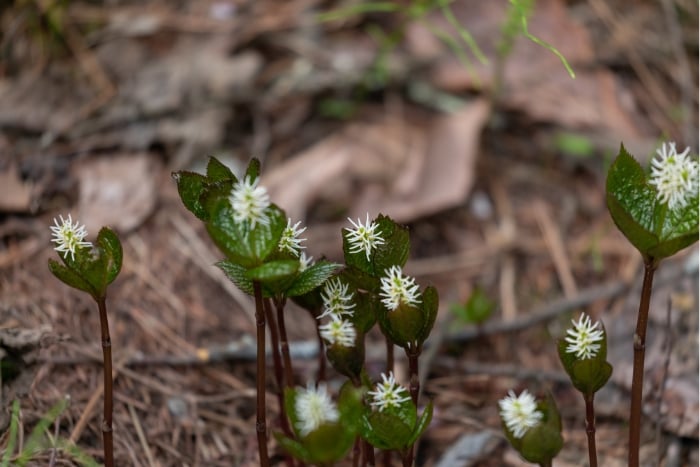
x: 640, y: 336
x: 260, y: 422
x: 284, y: 344
x: 108, y: 386
x: 321, y: 355
x: 277, y: 362
x: 413, y: 352
x: 590, y: 430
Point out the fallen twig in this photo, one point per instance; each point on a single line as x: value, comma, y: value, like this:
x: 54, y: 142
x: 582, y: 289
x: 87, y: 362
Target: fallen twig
x: 244, y: 349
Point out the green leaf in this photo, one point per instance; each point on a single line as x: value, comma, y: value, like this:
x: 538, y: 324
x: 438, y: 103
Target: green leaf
x: 190, y: 186
x: 406, y: 412
x: 293, y: 447
x: 389, y: 430
x: 273, y: 271
x: 631, y: 201
x: 70, y: 277
x: 403, y: 326
x: 264, y: 238
x: 590, y: 375
x: 678, y: 230
x: 348, y: 361
x: 423, y: 423
x: 253, y: 170
x: 656, y: 231
x: 215, y: 195
x: 360, y: 279
x: 312, y: 277
x: 111, y: 248
x: 237, y: 274
x: 543, y: 442
x: 329, y: 443
x: 429, y: 304
x: 478, y: 308
x: 350, y: 406
x: 229, y: 236
x: 216, y: 171
x: 394, y: 251
x: 290, y: 395
x: 365, y: 311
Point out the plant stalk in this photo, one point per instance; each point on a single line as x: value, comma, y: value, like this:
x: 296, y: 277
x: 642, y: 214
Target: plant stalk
x: 321, y: 356
x: 284, y: 344
x: 413, y: 352
x: 590, y: 430
x: 640, y: 336
x: 386, y: 455
x: 389, y: 355
x: 277, y: 364
x: 260, y: 422
x: 107, y: 437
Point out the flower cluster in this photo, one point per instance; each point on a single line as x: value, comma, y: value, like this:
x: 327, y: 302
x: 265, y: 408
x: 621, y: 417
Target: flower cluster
x: 388, y: 393
x: 520, y: 413
x: 583, y: 338
x: 68, y: 236
x: 290, y: 241
x: 249, y: 202
x: 674, y: 175
x: 364, y: 237
x: 398, y: 289
x: 305, y: 261
x: 337, y: 303
x: 339, y: 331
x: 314, y: 407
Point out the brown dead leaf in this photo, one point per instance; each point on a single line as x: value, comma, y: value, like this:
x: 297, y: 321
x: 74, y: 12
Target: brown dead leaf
x: 296, y: 183
x: 16, y: 194
x: 406, y: 170
x: 117, y: 191
x: 435, y: 176
x: 534, y: 79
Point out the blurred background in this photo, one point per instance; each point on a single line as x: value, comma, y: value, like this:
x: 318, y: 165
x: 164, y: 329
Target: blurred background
x: 458, y: 118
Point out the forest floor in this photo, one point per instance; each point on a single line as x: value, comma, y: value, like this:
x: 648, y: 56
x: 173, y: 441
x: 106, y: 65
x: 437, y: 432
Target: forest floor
x: 497, y: 166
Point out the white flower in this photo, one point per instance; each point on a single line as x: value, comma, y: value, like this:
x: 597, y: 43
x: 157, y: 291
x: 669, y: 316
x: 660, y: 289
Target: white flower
x: 68, y: 236
x: 305, y: 261
x: 674, y: 175
x: 363, y: 237
x: 249, y: 202
x: 583, y: 337
x: 336, y: 299
x: 519, y: 413
x: 339, y: 331
x: 314, y: 407
x: 398, y: 289
x: 388, y: 393
x: 290, y: 240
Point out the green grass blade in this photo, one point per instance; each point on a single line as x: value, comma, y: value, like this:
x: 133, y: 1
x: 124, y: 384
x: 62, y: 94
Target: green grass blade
x: 361, y: 8
x: 36, y: 440
x: 463, y: 32
x: 12, y: 440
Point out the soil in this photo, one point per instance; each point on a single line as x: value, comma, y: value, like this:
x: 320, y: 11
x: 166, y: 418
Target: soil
x: 497, y: 166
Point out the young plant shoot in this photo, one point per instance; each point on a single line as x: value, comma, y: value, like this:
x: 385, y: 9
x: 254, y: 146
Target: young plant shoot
x: 658, y: 213
x: 91, y: 268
